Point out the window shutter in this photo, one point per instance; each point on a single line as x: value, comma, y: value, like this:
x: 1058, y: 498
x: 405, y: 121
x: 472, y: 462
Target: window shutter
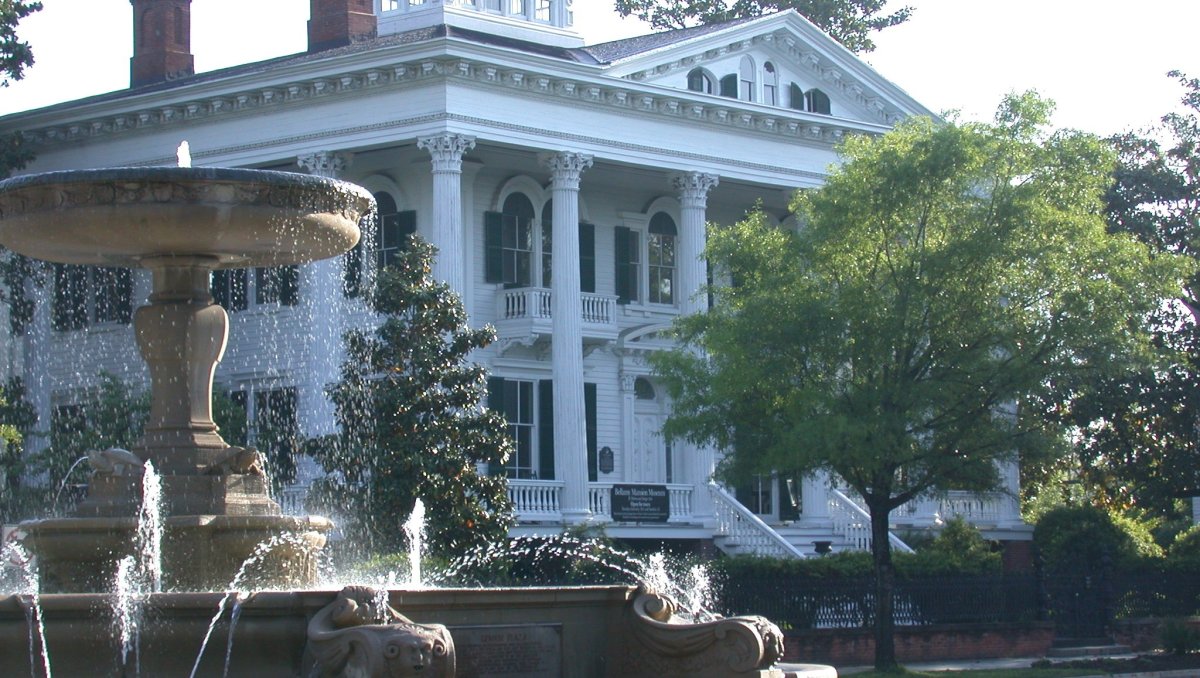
x: 589, y: 407
x: 587, y: 257
x: 238, y: 299
x: 289, y: 285
x: 626, y: 274
x: 124, y: 299
x: 495, y: 402
x: 545, y: 399
x: 352, y: 271
x: 729, y: 86
x: 795, y: 97
x: 493, y: 260
x: 406, y: 223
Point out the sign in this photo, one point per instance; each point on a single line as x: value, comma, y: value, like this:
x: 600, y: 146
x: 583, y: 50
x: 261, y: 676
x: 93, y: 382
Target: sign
x: 640, y: 504
x: 516, y: 651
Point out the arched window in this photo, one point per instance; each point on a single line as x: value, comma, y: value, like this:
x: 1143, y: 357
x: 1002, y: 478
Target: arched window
x: 796, y: 97
x: 729, y: 86
x: 508, y: 242
x: 661, y: 259
x: 700, y: 81
x: 387, y: 232
x: 643, y: 389
x: 770, y: 85
x: 746, y: 79
x: 817, y: 102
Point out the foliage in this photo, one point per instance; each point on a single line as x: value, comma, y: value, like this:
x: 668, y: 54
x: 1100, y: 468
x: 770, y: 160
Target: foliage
x: 1138, y: 442
x: 958, y: 548
x: 1081, y: 538
x: 945, y: 272
x: 17, y: 418
x: 1186, y: 548
x: 410, y: 409
x: 112, y: 414
x: 1178, y: 637
x: 850, y: 22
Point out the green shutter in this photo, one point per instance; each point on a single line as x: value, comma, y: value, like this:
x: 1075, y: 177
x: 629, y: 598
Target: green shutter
x: 289, y: 285
x: 545, y: 410
x: 495, y: 402
x: 406, y: 224
x: 626, y: 284
x: 124, y: 299
x: 729, y: 86
x: 589, y: 408
x: 587, y: 257
x: 493, y: 259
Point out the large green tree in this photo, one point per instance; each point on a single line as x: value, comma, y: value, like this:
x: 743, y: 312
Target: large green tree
x: 850, y: 22
x: 412, y: 420
x: 1138, y: 440
x: 944, y: 272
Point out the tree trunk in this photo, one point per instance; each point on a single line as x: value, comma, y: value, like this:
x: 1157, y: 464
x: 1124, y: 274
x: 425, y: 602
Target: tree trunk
x: 885, y: 580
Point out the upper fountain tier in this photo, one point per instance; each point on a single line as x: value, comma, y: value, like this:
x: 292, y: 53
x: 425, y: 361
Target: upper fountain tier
x: 129, y: 216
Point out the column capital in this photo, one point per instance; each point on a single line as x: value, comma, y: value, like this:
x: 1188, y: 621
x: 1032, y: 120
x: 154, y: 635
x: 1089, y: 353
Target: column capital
x: 447, y: 150
x: 693, y: 187
x: 566, y: 167
x: 330, y: 164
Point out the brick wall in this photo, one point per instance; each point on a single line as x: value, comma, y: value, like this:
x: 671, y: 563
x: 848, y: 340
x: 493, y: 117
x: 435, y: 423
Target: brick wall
x: 1144, y: 634
x: 851, y: 647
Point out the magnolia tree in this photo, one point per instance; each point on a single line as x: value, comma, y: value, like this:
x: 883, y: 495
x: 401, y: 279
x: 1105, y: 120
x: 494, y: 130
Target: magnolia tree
x: 944, y: 273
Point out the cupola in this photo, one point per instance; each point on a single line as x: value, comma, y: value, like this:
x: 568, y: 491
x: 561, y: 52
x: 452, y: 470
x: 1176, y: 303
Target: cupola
x: 547, y: 22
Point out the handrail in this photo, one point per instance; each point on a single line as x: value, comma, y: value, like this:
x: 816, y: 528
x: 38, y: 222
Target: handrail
x: 854, y: 523
x: 737, y: 521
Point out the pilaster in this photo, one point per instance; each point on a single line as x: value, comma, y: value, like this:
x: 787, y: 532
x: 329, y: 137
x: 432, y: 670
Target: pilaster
x: 446, y: 151
x: 570, y: 432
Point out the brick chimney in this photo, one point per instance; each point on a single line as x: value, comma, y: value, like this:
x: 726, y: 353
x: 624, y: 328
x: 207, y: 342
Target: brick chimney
x: 335, y: 23
x: 162, y: 41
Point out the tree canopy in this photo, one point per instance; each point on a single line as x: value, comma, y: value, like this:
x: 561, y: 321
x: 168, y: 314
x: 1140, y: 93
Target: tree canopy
x: 410, y: 409
x: 850, y: 22
x: 945, y: 272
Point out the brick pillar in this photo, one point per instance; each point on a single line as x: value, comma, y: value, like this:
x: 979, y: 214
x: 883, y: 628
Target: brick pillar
x: 162, y: 41
x: 336, y: 23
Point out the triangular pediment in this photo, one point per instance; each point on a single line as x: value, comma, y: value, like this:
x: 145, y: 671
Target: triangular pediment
x: 776, y: 61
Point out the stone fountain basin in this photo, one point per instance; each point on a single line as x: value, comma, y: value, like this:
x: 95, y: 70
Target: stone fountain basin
x: 124, y: 216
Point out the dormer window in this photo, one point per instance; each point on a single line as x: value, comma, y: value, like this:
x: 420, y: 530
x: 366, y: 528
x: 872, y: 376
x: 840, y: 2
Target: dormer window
x: 729, y: 86
x: 813, y: 101
x: 700, y: 81
x: 770, y: 85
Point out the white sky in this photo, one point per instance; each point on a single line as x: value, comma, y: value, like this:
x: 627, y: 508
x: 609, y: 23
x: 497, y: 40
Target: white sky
x: 1104, y: 62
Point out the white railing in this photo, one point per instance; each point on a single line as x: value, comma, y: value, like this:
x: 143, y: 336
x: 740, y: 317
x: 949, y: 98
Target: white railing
x: 536, y: 499
x: 853, y: 523
x: 679, y: 497
x: 975, y: 507
x: 537, y: 302
x: 739, y: 524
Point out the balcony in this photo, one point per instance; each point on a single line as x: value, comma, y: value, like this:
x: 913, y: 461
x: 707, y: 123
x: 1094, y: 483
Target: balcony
x: 528, y: 313
x: 541, y: 501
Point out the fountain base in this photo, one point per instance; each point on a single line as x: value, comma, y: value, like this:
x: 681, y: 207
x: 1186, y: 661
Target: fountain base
x: 200, y: 552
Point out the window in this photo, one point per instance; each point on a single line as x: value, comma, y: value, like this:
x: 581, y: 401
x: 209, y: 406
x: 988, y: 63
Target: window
x: 746, y: 79
x: 508, y: 243
x: 628, y: 255
x: 234, y: 288
x: 587, y: 251
x: 388, y: 234
x: 91, y: 295
x: 796, y: 97
x: 729, y: 86
x: 529, y: 408
x: 274, y: 429
x: 817, y: 101
x: 770, y: 85
x: 542, y: 10
x: 700, y: 81
x: 661, y: 259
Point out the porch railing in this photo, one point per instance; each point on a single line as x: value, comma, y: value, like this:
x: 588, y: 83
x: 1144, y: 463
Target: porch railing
x: 975, y: 507
x: 679, y: 497
x: 536, y: 499
x: 739, y: 524
x: 537, y: 302
x: 853, y: 523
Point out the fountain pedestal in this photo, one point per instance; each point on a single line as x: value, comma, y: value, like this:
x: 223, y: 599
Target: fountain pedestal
x: 180, y: 223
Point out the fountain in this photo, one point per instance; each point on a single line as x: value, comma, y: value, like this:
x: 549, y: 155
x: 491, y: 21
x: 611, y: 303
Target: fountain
x: 182, y: 223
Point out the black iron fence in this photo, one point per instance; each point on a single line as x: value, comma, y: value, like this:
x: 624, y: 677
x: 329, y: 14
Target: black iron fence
x: 1082, y: 605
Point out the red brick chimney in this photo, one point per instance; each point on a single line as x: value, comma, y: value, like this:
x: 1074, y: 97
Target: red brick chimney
x: 162, y: 41
x: 335, y: 23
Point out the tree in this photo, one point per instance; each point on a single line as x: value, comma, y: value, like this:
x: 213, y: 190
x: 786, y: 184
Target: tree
x: 15, y: 57
x: 943, y: 273
x: 17, y: 418
x: 1138, y: 438
x: 850, y: 22
x: 410, y: 409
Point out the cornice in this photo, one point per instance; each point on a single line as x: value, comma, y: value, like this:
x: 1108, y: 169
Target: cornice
x: 605, y: 92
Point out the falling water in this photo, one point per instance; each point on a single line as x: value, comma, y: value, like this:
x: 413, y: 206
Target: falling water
x: 63, y: 484
x: 414, y: 529
x: 21, y: 577
x: 140, y: 573
x: 150, y: 527
x: 127, y: 610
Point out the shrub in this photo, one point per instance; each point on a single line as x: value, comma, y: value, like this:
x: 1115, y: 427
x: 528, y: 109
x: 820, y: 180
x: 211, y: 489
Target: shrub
x: 958, y: 549
x: 1179, y: 638
x: 1185, y: 550
x: 1080, y: 537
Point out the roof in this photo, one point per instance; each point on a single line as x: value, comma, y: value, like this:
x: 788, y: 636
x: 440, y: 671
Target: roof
x: 609, y: 52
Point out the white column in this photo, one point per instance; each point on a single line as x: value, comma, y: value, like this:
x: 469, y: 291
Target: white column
x: 693, y: 190
x: 447, y: 235
x: 321, y: 304
x: 566, y: 345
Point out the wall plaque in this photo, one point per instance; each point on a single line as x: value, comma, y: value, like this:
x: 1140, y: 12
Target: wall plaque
x: 510, y: 651
x: 640, y: 504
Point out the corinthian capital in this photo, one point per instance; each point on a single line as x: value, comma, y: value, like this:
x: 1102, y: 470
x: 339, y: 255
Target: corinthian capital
x: 566, y: 167
x: 447, y: 150
x: 328, y: 164
x: 693, y: 187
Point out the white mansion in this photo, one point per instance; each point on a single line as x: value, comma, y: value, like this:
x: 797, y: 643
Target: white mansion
x: 566, y: 187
